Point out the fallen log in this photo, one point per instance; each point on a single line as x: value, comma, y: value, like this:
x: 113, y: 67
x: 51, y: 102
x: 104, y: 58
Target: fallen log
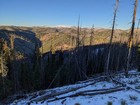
x: 97, y: 90
x: 89, y: 93
x: 104, y: 92
x: 125, y: 85
x: 56, y: 93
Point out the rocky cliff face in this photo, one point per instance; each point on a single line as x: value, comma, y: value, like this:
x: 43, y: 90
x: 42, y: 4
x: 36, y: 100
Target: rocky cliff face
x: 24, y: 40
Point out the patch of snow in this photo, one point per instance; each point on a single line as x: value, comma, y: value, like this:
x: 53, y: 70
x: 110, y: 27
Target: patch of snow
x: 131, y: 97
x: 116, y: 99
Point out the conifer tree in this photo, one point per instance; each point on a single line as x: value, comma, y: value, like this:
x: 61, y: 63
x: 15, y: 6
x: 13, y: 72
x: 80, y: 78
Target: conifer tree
x: 3, y: 66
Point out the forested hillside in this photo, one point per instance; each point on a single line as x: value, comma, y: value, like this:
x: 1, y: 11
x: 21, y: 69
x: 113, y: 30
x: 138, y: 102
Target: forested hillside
x: 38, y: 58
x: 61, y: 38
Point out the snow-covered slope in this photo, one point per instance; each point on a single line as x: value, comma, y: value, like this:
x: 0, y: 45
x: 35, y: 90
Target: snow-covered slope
x: 94, y: 91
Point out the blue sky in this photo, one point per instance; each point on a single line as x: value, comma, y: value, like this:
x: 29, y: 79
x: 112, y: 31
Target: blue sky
x: 66, y: 12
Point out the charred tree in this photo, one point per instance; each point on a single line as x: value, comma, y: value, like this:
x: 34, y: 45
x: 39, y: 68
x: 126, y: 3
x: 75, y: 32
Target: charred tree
x: 130, y: 40
x: 111, y: 38
x: 78, y: 34
x: 137, y: 36
x: 91, y: 36
x: 3, y: 66
x: 13, y: 63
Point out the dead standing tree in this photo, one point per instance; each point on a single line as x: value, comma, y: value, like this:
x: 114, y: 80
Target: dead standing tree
x: 41, y: 63
x: 78, y: 68
x: 90, y: 56
x: 137, y: 36
x: 119, y: 52
x: 91, y: 36
x: 111, y: 38
x: 78, y: 34
x: 3, y: 67
x: 130, y: 40
x: 13, y: 64
x: 83, y: 39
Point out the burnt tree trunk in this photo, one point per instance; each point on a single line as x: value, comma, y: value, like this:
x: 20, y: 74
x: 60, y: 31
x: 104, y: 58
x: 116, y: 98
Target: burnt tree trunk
x: 111, y: 38
x: 130, y: 40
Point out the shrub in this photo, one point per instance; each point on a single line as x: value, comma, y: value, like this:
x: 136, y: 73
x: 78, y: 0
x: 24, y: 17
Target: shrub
x: 109, y: 103
x: 123, y: 102
x: 77, y: 104
x: 134, y: 98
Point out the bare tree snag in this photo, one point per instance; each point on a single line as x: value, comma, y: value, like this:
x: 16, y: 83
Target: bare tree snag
x: 130, y: 40
x: 119, y: 53
x: 137, y: 36
x: 13, y: 59
x: 111, y: 38
x: 78, y: 34
x: 3, y: 67
x: 91, y: 37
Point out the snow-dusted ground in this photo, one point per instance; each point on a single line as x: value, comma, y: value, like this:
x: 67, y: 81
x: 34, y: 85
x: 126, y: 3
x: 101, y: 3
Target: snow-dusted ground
x: 116, y: 99
x: 123, y: 97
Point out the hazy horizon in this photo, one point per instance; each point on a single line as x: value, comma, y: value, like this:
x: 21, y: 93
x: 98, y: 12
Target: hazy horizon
x: 53, y: 13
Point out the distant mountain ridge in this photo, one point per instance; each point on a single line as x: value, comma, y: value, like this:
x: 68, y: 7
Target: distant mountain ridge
x: 59, y: 37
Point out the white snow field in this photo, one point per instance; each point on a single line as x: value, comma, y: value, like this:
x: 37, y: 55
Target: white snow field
x: 96, y: 91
